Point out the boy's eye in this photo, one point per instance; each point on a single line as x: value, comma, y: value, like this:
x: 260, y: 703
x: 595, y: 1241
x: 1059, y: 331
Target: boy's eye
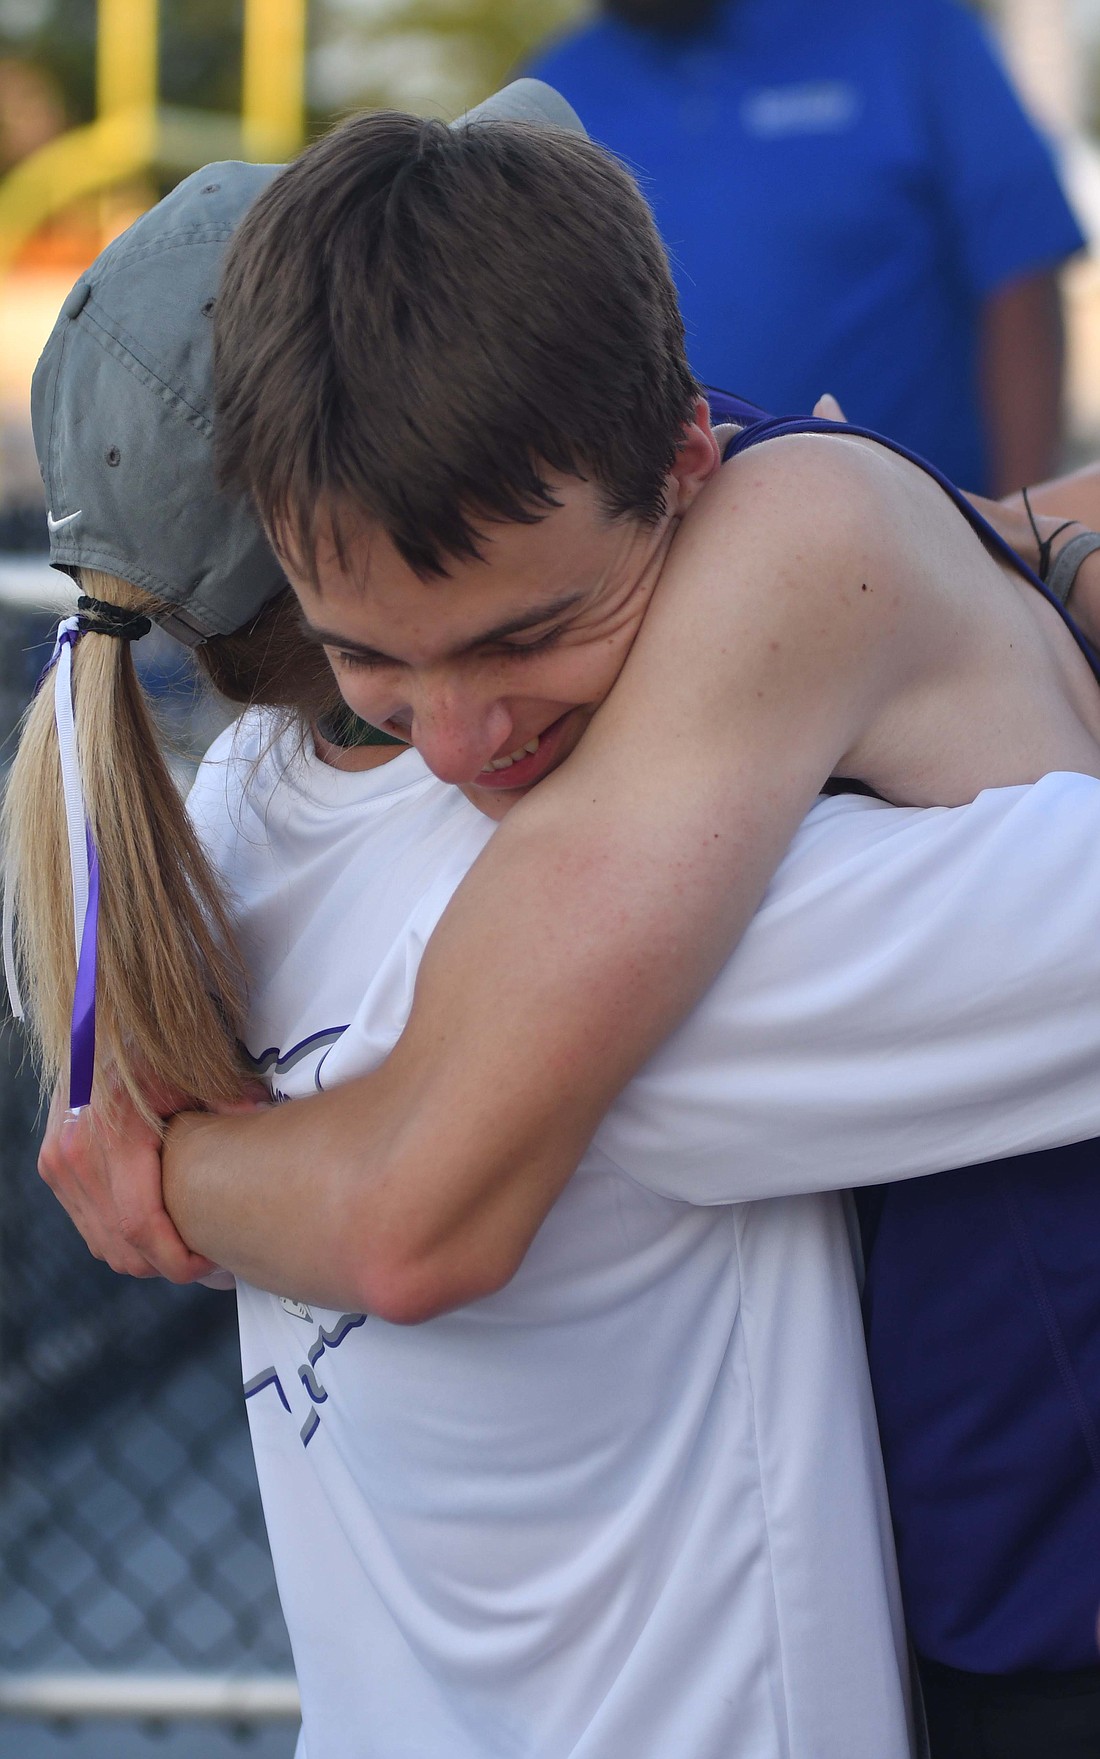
x: 353, y: 661
x: 532, y: 644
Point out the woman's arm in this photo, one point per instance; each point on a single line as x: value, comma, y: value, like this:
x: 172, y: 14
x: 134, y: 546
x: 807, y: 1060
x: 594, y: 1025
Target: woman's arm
x: 1073, y: 496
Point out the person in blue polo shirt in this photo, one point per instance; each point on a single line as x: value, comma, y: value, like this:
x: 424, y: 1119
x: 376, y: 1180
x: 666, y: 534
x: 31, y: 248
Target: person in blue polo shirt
x: 853, y: 198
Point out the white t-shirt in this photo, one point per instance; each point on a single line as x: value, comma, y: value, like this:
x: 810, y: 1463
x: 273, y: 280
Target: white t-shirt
x: 630, y: 1507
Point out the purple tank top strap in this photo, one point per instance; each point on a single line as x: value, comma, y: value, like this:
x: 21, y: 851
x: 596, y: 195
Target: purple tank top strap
x: 758, y: 428
x: 724, y: 406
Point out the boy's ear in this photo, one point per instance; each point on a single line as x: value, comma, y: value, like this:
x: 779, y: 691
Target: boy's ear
x: 697, y: 458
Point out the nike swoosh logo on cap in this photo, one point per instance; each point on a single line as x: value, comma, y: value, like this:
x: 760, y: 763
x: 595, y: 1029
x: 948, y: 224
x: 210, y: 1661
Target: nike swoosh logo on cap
x: 66, y: 519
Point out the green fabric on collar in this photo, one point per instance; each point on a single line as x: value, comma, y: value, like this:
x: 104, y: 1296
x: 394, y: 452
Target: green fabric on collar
x: 344, y: 728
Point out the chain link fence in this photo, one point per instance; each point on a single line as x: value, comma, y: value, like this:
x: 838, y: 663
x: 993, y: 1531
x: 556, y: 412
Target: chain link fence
x: 130, y: 1527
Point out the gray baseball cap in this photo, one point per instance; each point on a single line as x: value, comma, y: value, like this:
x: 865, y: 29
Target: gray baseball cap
x: 122, y: 401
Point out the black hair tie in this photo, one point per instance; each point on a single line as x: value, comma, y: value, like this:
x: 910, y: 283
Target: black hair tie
x: 97, y: 617
x: 1044, y: 545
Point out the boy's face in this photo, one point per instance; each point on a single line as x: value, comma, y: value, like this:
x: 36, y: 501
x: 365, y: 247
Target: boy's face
x: 494, y: 671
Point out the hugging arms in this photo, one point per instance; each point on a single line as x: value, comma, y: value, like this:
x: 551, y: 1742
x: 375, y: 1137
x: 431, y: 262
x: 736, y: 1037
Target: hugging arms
x: 439, y: 1175
x: 815, y: 606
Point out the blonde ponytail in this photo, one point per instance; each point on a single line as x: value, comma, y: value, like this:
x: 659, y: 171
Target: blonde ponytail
x: 170, y: 985
x: 169, y: 988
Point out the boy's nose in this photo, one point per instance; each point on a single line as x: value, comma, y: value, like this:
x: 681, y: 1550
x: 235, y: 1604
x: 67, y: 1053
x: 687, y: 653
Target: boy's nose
x: 457, y: 735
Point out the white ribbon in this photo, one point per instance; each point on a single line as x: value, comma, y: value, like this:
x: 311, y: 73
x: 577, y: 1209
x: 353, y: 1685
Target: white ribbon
x: 76, y: 823
x: 11, y: 977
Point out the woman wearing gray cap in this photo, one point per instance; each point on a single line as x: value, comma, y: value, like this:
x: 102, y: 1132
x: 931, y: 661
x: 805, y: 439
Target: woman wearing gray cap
x: 512, y: 1529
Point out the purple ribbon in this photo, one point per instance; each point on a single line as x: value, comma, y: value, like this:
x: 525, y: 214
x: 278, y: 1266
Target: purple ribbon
x: 82, y: 854
x: 82, y: 1030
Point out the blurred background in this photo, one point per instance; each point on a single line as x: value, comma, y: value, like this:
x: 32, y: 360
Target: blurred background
x: 138, y: 1612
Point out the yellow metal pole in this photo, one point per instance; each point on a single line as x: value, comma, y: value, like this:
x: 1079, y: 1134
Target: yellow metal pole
x: 273, y: 94
x: 126, y: 59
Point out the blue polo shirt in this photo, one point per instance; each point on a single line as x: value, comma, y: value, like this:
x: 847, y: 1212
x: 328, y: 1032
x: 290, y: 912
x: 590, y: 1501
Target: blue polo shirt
x: 840, y: 184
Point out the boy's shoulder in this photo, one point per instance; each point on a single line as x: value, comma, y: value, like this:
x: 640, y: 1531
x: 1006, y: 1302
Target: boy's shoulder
x: 815, y: 518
